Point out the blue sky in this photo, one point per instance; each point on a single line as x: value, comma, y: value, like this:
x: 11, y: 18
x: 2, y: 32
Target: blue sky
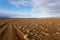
x: 29, y: 8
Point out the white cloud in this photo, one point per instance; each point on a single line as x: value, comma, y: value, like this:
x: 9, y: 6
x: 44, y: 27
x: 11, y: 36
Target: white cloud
x: 21, y: 16
x: 18, y: 3
x: 50, y: 7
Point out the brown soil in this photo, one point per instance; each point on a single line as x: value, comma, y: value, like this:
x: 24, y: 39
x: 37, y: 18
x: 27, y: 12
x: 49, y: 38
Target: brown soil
x: 30, y: 29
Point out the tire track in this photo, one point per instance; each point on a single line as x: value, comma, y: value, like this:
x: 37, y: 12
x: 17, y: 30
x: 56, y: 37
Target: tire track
x: 10, y: 31
x: 21, y: 34
x: 3, y: 28
x: 2, y: 31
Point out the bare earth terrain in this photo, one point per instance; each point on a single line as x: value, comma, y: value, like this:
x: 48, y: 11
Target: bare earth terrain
x: 30, y: 29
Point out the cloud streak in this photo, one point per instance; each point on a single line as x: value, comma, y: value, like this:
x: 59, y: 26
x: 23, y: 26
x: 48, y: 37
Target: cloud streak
x: 19, y: 3
x: 50, y: 7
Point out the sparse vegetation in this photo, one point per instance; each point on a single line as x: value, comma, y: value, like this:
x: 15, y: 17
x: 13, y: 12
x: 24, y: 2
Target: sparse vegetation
x: 39, y: 29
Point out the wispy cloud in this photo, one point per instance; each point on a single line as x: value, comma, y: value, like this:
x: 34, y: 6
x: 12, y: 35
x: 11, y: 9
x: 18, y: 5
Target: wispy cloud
x: 18, y: 3
x: 50, y: 7
x: 21, y: 16
x: 5, y: 15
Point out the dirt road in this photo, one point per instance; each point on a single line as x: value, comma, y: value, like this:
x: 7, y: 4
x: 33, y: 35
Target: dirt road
x: 9, y: 31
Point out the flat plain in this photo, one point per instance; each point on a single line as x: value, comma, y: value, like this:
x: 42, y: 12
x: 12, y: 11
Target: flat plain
x: 30, y: 29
